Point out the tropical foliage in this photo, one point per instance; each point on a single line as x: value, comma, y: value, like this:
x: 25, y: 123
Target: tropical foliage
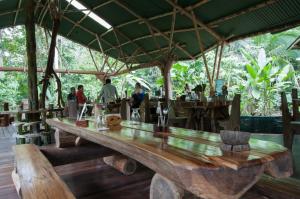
x: 258, y: 68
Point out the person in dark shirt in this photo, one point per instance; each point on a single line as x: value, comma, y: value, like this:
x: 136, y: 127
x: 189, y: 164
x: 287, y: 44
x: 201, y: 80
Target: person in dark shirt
x: 137, y: 96
x: 72, y: 94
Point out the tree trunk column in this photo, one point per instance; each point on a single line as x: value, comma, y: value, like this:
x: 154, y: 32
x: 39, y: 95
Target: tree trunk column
x: 166, y: 73
x: 31, y: 57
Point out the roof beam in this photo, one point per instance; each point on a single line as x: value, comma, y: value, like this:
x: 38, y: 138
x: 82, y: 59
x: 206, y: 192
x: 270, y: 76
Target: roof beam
x: 90, y: 32
x: 152, y: 27
x: 116, y: 30
x: 156, y: 51
x: 41, y: 70
x: 10, y: 12
x: 172, y: 28
x: 244, y: 11
x: 192, y: 16
x: 17, y: 13
x: 196, y: 5
x: 140, y: 66
x: 86, y: 15
x: 156, y: 34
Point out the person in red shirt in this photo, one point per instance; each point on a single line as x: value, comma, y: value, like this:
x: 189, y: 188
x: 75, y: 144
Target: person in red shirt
x: 81, y: 99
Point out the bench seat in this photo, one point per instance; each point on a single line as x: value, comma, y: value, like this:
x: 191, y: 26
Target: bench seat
x: 35, y: 177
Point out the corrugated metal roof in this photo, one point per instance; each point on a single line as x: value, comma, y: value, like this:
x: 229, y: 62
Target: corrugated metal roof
x: 145, y: 26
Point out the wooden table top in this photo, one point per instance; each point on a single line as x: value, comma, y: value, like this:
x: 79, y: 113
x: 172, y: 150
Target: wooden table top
x: 191, y: 158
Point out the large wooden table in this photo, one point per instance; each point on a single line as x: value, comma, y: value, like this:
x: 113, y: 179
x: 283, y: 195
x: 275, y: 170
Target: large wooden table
x: 191, y: 159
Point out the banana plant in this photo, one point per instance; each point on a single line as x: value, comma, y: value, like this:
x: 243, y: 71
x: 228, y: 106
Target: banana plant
x: 264, y: 79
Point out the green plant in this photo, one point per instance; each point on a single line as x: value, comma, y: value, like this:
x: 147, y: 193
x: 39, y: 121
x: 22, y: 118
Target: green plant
x: 263, y: 80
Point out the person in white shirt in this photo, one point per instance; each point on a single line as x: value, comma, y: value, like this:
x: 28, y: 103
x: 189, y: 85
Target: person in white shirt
x: 108, y: 92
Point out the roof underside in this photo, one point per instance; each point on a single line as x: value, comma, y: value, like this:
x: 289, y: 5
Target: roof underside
x: 142, y: 29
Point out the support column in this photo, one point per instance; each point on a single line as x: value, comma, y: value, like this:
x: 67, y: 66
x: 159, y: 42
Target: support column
x: 31, y: 57
x: 166, y: 73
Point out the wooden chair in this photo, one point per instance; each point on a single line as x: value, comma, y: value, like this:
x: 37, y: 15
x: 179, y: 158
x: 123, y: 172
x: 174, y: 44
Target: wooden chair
x: 233, y: 123
x: 290, y: 127
x: 173, y: 118
x: 35, y: 177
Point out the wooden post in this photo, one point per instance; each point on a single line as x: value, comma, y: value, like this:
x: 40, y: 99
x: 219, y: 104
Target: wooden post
x: 64, y: 139
x: 166, y: 73
x: 295, y: 101
x: 162, y: 187
x: 31, y: 57
x: 49, y: 69
x: 122, y: 163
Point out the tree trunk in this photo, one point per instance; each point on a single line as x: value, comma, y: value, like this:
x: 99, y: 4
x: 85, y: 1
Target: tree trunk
x: 31, y: 57
x: 166, y: 73
x: 49, y: 70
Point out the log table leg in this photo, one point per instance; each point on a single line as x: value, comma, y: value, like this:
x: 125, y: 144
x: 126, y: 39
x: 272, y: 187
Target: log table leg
x: 64, y: 139
x: 122, y: 163
x: 162, y: 188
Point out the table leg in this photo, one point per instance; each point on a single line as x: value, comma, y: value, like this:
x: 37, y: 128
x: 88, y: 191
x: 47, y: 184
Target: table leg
x: 163, y: 188
x: 125, y: 165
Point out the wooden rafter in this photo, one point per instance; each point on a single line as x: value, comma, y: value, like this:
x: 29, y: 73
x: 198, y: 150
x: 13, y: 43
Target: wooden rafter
x: 42, y: 70
x: 116, y: 30
x: 152, y: 26
x: 140, y: 66
x: 172, y: 28
x: 242, y: 12
x: 219, y: 61
x: 215, y: 62
x: 192, y: 16
x: 273, y: 29
x: 10, y: 12
x: 156, y: 34
x: 94, y: 61
x: 163, y: 49
x: 89, y: 31
x: 17, y: 13
x: 121, y: 51
x: 87, y: 14
x: 202, y: 50
x: 133, y: 42
x: 189, y: 8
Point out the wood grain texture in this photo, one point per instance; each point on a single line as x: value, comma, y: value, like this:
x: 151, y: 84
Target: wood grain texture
x: 122, y: 163
x: 191, y: 159
x: 37, y: 177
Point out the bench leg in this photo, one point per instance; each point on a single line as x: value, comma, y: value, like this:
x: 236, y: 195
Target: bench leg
x: 162, y: 188
x: 16, y: 181
x: 122, y: 163
x: 64, y: 139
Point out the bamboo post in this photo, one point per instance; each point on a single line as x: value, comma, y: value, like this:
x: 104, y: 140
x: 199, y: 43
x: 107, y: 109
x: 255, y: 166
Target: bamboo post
x: 220, y: 58
x: 202, y: 51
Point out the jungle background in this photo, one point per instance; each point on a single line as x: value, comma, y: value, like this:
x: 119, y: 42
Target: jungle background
x: 259, y: 68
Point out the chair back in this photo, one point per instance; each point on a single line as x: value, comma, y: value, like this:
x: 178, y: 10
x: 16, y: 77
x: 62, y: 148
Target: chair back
x: 296, y: 114
x: 286, y: 115
x: 235, y: 114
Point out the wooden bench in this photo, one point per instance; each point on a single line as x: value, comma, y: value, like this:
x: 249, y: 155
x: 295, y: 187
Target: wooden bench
x: 34, y: 176
x: 278, y: 188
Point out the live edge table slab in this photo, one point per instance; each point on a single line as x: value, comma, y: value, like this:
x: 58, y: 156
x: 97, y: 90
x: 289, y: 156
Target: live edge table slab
x: 191, y: 159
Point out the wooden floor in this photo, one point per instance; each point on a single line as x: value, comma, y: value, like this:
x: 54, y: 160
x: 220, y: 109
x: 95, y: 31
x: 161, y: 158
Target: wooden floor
x: 93, y: 179
x: 7, y: 189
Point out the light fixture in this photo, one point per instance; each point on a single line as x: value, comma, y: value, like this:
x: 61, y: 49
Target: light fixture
x: 89, y: 13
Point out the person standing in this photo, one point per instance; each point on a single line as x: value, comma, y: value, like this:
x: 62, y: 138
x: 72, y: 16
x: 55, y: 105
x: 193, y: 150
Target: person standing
x: 137, y: 96
x: 81, y: 99
x: 108, y: 92
x: 72, y: 94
